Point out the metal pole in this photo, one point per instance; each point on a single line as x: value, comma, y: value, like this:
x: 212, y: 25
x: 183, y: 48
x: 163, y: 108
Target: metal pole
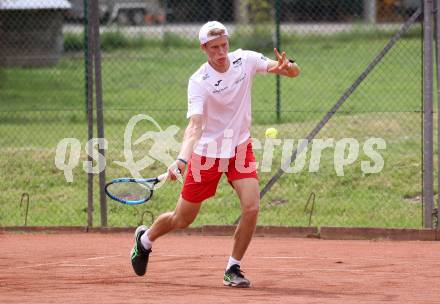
x: 437, y: 64
x: 99, y: 112
x: 277, y: 44
x: 88, y: 75
x: 428, y: 174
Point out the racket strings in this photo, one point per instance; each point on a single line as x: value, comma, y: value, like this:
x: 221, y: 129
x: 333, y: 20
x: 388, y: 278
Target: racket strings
x: 130, y: 191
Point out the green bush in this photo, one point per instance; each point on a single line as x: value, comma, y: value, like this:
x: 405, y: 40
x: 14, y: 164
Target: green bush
x: 73, y: 42
x: 257, y: 37
x: 176, y: 40
x: 260, y: 38
x: 114, y: 40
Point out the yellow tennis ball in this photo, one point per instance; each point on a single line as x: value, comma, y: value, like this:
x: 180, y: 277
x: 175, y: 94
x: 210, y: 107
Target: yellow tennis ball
x: 271, y: 133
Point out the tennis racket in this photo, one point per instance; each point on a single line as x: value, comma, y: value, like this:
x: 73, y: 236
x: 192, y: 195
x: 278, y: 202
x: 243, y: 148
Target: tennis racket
x: 133, y: 191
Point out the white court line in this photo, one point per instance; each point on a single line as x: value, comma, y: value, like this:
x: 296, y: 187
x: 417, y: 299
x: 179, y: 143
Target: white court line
x: 254, y: 257
x: 342, y: 258
x: 64, y: 262
x: 104, y: 257
x: 316, y: 270
x: 36, y: 265
x: 79, y: 265
x: 275, y: 257
x: 295, y: 258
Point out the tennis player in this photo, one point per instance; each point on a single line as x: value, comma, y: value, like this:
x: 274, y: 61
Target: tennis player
x: 216, y: 141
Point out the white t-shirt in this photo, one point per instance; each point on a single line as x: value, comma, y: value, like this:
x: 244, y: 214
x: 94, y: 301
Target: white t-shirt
x: 224, y: 100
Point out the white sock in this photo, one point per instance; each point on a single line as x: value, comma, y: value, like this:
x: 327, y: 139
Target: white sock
x: 145, y: 241
x: 231, y: 262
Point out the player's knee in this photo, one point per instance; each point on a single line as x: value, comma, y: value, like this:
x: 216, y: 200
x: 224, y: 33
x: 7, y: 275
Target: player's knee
x: 252, y: 207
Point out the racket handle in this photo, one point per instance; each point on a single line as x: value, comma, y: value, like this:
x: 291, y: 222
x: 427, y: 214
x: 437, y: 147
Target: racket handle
x: 179, y: 175
x: 164, y: 176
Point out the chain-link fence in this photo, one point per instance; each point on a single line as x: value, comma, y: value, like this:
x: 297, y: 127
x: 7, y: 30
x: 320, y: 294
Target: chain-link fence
x: 364, y: 168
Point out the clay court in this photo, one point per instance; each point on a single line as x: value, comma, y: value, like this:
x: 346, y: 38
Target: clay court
x: 95, y: 268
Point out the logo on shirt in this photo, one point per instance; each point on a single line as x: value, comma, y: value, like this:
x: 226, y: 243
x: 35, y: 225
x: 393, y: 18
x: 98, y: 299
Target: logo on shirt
x: 216, y: 91
x: 242, y: 77
x: 263, y: 58
x: 218, y: 83
x: 206, y: 76
x: 237, y: 62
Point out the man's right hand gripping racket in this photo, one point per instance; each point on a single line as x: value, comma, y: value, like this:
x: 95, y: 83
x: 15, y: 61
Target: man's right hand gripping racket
x: 134, y: 191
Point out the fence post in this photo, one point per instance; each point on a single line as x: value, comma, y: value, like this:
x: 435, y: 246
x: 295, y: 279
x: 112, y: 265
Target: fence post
x: 277, y: 45
x: 88, y: 76
x: 99, y: 111
x: 428, y: 194
x: 437, y: 65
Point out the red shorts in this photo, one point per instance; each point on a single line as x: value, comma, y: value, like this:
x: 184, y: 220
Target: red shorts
x: 204, y: 172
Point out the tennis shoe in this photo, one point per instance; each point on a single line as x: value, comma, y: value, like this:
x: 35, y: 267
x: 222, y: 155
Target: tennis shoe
x: 234, y: 278
x: 139, y: 255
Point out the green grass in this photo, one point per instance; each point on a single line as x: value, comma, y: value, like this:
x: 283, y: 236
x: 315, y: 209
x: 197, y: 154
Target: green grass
x: 382, y: 199
x: 41, y: 106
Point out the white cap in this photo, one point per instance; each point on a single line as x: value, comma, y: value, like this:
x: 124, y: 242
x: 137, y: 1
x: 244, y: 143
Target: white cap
x: 207, y: 27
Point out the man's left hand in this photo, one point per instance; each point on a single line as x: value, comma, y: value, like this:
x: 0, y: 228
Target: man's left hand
x: 283, y: 63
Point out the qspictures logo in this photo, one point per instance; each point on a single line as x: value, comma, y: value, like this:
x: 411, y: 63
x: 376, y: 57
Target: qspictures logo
x: 164, y: 146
